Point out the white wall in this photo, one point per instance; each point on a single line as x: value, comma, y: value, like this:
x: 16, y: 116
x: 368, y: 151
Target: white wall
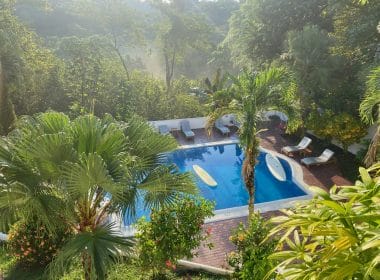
x: 195, y: 123
x: 3, y: 236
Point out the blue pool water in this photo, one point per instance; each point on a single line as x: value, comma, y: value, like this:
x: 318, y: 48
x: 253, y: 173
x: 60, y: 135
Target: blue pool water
x: 224, y: 164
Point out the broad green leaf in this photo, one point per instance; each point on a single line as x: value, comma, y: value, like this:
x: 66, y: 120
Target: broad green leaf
x: 344, y: 272
x: 334, y: 206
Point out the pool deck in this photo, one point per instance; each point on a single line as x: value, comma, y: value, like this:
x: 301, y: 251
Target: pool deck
x: 323, y: 176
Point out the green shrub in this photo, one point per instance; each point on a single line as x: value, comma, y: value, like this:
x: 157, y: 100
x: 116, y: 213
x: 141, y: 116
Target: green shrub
x: 172, y: 233
x: 32, y: 245
x: 333, y: 236
x: 345, y: 128
x: 250, y: 260
x: 6, y: 261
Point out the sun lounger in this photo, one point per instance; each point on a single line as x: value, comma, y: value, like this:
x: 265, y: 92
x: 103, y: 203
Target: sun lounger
x: 221, y: 127
x: 324, y: 158
x: 301, y: 147
x: 163, y: 129
x: 186, y: 130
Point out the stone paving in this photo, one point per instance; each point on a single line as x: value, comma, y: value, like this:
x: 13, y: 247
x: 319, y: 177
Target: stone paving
x: 322, y: 176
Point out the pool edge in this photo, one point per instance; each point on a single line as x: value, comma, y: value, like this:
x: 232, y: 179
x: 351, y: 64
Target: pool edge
x: 242, y: 211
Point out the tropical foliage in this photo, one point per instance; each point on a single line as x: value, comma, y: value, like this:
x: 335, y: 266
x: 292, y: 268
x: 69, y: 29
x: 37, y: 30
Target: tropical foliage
x: 251, y: 258
x: 314, y: 60
x: 179, y: 30
x: 258, y: 29
x: 334, y: 236
x: 250, y: 95
x: 7, y: 114
x: 328, y: 45
x: 173, y: 233
x: 344, y: 128
x: 80, y: 172
x: 370, y: 113
x: 32, y: 245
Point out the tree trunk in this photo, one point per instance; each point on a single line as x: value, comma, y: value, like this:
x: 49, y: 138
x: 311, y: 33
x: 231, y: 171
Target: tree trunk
x: 168, y: 77
x: 86, y: 265
x: 123, y: 62
x: 7, y: 114
x: 251, y: 192
x: 116, y: 48
x: 169, y: 68
x: 370, y: 157
x: 248, y: 172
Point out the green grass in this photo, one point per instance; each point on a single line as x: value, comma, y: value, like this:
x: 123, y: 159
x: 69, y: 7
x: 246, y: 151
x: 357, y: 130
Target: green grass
x: 120, y: 271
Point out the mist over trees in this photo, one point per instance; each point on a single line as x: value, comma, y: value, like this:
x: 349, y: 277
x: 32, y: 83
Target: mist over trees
x: 153, y: 57
x: 79, y: 79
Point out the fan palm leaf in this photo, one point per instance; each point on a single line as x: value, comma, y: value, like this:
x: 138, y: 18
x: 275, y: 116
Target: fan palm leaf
x: 97, y: 249
x: 80, y: 173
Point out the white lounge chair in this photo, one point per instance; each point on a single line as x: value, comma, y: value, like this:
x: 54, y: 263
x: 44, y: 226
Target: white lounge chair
x: 221, y: 127
x: 324, y: 158
x: 301, y: 147
x: 163, y: 129
x: 185, y: 128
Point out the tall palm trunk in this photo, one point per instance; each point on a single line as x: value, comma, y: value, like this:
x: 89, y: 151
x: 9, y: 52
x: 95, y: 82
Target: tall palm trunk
x: 86, y: 264
x: 248, y: 171
x: 370, y: 157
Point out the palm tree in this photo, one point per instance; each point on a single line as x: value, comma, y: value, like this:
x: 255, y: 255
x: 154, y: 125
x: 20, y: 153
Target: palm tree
x: 217, y: 83
x: 370, y: 113
x: 250, y: 95
x: 80, y: 173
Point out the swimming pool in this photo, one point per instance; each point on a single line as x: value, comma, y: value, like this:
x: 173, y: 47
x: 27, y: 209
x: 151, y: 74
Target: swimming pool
x: 224, y: 164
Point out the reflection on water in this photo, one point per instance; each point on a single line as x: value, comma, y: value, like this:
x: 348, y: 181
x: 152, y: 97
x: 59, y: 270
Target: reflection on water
x: 224, y: 164
x: 179, y: 157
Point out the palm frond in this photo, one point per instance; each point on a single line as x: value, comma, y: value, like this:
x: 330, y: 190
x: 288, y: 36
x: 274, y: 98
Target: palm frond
x: 18, y: 200
x: 370, y: 106
x: 52, y: 122
x: 164, y: 183
x: 49, y: 151
x: 88, y: 176
x: 370, y: 113
x: 144, y: 142
x: 99, y: 249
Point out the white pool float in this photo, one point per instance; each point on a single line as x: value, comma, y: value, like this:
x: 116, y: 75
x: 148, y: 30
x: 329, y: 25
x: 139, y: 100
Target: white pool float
x: 205, y: 177
x: 275, y: 167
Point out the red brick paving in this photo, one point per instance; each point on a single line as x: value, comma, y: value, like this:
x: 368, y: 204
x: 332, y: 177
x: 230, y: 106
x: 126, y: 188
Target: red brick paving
x: 321, y: 176
x: 220, y: 233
